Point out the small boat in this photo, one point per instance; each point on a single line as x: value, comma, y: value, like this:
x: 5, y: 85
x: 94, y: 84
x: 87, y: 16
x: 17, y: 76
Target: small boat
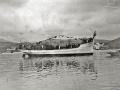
x: 12, y: 50
x: 114, y: 53
x: 83, y: 49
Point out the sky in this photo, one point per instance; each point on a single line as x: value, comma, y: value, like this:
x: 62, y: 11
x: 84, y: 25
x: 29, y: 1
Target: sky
x: 36, y: 20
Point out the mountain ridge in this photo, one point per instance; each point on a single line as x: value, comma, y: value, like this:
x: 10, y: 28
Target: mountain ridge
x: 114, y: 44
x: 4, y: 44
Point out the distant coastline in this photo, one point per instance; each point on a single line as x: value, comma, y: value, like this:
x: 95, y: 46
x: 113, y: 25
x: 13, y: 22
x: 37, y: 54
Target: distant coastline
x: 112, y: 44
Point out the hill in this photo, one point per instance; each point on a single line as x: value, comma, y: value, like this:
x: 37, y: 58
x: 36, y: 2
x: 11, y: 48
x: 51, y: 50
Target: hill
x: 4, y: 44
x: 55, y: 42
x: 2, y: 40
x: 101, y: 41
x: 114, y: 44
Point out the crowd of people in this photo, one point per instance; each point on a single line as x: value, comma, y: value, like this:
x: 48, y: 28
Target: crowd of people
x: 40, y: 46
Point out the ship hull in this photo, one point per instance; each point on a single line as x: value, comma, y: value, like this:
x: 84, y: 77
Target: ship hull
x: 58, y: 55
x: 84, y: 49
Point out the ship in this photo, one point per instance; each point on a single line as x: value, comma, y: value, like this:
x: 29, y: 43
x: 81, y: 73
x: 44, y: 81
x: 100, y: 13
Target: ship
x: 83, y: 49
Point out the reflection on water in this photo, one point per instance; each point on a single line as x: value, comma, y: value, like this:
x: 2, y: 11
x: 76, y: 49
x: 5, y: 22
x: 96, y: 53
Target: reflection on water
x: 60, y: 65
x: 97, y: 72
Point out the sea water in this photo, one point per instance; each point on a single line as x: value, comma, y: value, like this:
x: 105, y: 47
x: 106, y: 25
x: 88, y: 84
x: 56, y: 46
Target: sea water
x: 97, y: 72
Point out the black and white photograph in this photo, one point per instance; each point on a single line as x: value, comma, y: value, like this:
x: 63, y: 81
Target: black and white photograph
x: 59, y: 45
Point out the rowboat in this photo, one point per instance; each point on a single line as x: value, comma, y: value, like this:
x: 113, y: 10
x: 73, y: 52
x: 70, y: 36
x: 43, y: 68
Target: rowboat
x: 83, y: 49
x: 114, y: 53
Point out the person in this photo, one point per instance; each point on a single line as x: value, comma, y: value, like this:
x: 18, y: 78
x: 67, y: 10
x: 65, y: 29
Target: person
x: 66, y: 46
x: 78, y: 44
x: 43, y: 48
x: 90, y: 40
x: 32, y: 47
x: 28, y: 47
x: 84, y: 41
x: 59, y: 47
x: 20, y: 46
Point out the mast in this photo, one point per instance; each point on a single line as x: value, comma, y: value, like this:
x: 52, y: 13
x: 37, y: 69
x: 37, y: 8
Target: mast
x: 94, y: 34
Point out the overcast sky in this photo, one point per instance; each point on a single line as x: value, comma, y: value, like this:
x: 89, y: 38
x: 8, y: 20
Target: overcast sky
x: 34, y: 20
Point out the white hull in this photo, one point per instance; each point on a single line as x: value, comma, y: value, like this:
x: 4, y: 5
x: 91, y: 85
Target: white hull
x: 82, y: 49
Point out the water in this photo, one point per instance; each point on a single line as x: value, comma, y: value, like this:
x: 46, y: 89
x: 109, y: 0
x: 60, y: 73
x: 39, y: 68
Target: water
x: 98, y: 72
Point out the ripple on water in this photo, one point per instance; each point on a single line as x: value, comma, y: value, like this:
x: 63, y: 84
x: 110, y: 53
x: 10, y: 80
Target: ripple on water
x: 98, y: 72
